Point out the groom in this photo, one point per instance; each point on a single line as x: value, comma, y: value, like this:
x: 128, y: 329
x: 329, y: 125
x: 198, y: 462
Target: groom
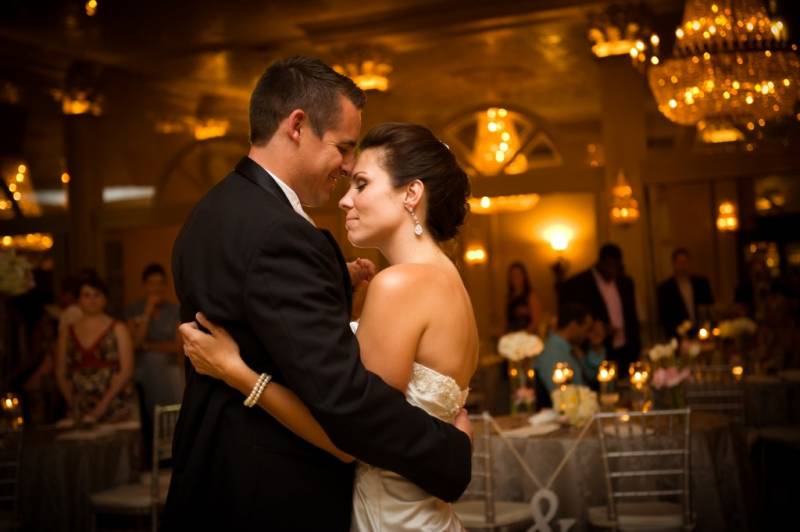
x: 251, y: 259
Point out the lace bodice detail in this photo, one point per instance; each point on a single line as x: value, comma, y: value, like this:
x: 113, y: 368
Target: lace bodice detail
x: 437, y: 394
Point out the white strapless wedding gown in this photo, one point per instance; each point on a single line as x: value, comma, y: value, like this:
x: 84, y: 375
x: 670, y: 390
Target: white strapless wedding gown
x: 386, y: 502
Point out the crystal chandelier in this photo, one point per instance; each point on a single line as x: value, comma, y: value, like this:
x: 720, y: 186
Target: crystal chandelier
x: 624, y: 207
x: 726, y: 218
x: 731, y: 68
x: 619, y: 29
x: 497, y: 141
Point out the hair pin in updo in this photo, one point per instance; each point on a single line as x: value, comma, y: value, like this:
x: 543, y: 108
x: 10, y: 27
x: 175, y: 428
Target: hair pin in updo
x: 446, y: 145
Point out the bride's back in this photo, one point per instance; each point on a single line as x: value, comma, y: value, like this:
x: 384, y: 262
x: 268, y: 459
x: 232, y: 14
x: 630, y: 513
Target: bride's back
x: 432, y: 323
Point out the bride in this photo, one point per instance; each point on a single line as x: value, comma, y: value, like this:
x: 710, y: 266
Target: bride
x: 417, y: 329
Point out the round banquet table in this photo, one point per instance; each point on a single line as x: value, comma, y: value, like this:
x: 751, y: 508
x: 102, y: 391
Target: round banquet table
x: 61, y: 469
x: 720, y: 475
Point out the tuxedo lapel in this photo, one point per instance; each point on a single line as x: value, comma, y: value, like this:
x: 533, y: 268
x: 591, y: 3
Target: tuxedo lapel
x: 348, y: 287
x: 253, y: 171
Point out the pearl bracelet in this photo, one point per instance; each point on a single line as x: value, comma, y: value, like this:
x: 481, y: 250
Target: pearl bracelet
x: 258, y: 389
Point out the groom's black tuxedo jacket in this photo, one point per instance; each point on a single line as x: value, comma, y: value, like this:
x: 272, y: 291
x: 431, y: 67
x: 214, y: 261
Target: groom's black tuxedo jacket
x: 280, y: 287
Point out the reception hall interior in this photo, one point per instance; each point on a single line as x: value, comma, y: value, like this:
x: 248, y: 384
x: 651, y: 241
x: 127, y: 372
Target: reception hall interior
x: 631, y: 251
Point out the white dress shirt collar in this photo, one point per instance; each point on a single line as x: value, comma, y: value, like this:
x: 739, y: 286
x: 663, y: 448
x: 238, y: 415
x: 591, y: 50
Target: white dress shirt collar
x: 292, y: 196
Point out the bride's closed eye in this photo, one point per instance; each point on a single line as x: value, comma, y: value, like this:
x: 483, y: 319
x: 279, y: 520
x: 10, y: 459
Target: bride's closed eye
x: 359, y: 184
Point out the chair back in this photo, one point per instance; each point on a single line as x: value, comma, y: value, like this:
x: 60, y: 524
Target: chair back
x: 10, y: 460
x: 481, y: 487
x: 716, y: 389
x: 164, y: 419
x: 646, y: 457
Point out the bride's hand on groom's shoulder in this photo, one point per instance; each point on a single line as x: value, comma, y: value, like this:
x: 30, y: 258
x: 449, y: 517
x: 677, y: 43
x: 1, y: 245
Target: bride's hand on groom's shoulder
x: 213, y: 354
x: 360, y: 270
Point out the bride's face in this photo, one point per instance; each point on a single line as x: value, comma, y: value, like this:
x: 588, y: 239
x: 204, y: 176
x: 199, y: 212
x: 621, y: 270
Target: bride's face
x: 373, y: 205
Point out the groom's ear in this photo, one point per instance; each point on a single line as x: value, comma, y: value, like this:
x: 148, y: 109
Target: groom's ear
x: 296, y: 122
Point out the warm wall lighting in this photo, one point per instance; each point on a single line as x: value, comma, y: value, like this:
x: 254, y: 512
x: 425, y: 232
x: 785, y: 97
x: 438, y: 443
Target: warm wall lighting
x: 91, y: 7
x: 29, y: 242
x: 211, y: 128
x: 368, y: 74
x: 79, y: 103
x: 718, y: 132
x: 476, y: 255
x: 65, y: 178
x: 726, y: 218
x: 495, y: 204
x: 559, y: 236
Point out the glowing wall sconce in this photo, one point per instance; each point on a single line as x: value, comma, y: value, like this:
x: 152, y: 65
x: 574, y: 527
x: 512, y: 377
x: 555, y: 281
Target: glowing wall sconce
x: 476, y: 255
x: 559, y: 236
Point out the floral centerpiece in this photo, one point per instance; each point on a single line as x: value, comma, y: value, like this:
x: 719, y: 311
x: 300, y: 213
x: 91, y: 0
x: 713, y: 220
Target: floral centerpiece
x: 577, y: 403
x: 519, y: 348
x: 671, y: 368
x: 15, y: 279
x: 15, y: 274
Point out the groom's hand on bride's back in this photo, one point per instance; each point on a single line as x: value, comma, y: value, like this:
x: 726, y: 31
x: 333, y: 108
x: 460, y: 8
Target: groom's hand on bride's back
x: 463, y: 423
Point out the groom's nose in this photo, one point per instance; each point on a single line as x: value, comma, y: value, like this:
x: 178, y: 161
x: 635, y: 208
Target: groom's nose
x: 348, y: 162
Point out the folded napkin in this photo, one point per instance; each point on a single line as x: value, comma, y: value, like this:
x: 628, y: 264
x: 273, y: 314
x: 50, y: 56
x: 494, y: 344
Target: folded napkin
x: 544, y: 417
x: 532, y: 430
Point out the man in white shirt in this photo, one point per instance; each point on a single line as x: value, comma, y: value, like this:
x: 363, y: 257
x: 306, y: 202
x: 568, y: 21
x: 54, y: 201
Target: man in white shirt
x: 609, y: 294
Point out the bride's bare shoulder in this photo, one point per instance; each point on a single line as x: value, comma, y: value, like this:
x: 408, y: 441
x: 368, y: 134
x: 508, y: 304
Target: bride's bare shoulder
x: 402, y: 277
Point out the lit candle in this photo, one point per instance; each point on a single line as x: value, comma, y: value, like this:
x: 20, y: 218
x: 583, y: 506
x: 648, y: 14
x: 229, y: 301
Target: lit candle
x: 10, y: 402
x: 639, y: 373
x: 606, y: 376
x: 703, y: 333
x: 607, y: 371
x: 562, y: 374
x: 737, y: 371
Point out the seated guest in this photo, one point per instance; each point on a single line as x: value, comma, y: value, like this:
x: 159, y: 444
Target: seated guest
x: 595, y: 351
x: 94, y: 359
x: 573, y: 325
x: 153, y: 323
x: 680, y: 296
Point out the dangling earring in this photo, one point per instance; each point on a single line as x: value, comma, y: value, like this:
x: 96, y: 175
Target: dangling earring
x: 417, y: 225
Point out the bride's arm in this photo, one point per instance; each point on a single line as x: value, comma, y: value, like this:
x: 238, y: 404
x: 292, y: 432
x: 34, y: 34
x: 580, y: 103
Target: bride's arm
x: 217, y: 356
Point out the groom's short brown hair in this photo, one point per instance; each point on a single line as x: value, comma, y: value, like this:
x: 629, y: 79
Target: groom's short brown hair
x: 299, y: 83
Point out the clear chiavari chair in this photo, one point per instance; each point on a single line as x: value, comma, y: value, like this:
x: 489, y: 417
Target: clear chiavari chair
x: 478, y: 509
x: 148, y: 496
x: 717, y: 389
x: 646, y: 458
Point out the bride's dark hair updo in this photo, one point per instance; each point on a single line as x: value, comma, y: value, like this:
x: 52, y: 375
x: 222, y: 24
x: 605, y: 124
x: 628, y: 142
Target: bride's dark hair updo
x: 412, y: 152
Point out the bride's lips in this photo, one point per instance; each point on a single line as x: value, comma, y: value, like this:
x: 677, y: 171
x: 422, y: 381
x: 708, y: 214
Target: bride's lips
x: 349, y: 220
